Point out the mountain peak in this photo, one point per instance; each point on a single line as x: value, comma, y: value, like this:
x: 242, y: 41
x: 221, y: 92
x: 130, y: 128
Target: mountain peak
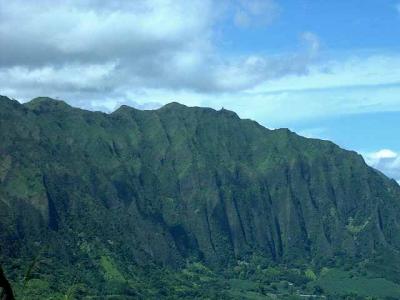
x: 46, y: 100
x: 123, y: 109
x: 46, y: 104
x: 4, y: 100
x: 174, y: 105
x: 228, y: 113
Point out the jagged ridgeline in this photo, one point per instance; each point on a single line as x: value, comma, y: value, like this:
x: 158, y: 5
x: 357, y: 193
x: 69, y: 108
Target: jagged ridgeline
x: 99, y: 196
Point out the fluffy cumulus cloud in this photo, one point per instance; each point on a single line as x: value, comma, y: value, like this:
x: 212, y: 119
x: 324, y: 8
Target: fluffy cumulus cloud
x: 386, y: 160
x: 98, y: 50
x: 66, y: 47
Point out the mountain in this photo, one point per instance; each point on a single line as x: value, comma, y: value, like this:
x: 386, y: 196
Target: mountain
x: 107, y: 199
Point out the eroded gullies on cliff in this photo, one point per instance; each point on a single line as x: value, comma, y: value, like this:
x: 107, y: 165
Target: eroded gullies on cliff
x: 118, y: 198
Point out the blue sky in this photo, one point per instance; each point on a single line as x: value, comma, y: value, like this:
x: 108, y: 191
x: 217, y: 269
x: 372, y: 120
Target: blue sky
x: 323, y: 68
x: 352, y: 25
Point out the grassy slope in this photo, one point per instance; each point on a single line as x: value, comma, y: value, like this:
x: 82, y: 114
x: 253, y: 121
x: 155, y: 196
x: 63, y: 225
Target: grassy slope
x: 338, y: 282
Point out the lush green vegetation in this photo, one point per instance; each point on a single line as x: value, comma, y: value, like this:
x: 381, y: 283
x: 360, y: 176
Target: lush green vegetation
x: 187, y: 203
x: 255, y: 279
x: 338, y: 282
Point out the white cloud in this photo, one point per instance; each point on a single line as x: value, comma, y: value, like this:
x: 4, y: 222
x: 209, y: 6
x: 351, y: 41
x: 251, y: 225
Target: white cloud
x: 348, y: 86
x: 70, y: 28
x: 354, y: 71
x: 147, y: 39
x: 312, y: 42
x: 71, y: 49
x: 383, y: 154
x: 282, y: 108
x: 88, y: 76
x: 256, y: 13
x: 385, y: 160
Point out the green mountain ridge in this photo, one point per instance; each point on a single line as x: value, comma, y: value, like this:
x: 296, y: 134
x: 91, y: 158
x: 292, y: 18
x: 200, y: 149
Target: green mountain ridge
x: 108, y: 195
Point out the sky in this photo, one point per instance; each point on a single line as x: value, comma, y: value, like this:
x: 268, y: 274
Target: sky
x: 324, y: 68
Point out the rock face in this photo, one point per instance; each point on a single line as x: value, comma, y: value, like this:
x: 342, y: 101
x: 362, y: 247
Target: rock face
x: 178, y: 182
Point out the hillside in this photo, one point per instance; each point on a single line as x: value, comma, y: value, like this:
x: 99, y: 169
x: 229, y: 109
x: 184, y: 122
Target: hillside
x: 107, y: 199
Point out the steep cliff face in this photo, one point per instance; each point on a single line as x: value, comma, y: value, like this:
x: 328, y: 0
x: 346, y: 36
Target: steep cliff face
x: 178, y: 182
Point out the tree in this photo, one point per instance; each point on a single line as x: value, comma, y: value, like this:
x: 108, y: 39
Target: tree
x: 6, y: 292
x: 318, y: 290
